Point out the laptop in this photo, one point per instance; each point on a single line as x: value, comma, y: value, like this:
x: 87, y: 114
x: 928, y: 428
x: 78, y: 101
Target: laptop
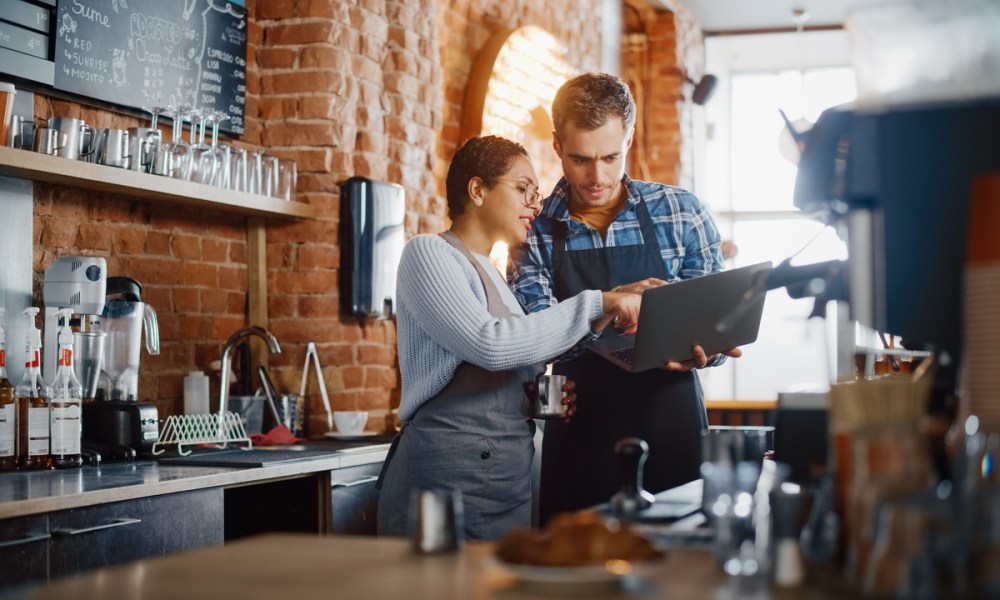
x: 717, y: 311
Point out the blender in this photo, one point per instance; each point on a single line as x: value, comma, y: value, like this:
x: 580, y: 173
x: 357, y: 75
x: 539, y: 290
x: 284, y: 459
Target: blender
x: 117, y: 418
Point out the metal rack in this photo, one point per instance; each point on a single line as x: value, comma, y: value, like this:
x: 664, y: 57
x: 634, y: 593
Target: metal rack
x: 192, y: 430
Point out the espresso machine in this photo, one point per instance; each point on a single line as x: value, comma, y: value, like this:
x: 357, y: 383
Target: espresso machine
x: 116, y: 421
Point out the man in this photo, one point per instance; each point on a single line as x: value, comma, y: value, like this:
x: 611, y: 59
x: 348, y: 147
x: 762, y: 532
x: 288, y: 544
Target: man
x: 600, y: 229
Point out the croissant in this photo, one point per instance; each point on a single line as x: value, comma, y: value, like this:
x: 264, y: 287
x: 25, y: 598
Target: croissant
x: 576, y: 539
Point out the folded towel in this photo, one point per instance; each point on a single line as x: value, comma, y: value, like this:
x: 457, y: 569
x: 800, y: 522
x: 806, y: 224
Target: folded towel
x: 280, y: 435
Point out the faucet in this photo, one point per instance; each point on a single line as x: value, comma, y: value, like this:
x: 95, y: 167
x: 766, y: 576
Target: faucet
x: 235, y: 340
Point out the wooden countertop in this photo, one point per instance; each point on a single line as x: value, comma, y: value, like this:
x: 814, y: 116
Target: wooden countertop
x: 359, y: 568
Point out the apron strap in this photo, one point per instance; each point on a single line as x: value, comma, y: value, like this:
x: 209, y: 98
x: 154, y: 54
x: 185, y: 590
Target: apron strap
x: 494, y: 302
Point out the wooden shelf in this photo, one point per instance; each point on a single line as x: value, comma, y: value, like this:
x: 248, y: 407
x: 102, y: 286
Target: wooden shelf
x: 153, y: 188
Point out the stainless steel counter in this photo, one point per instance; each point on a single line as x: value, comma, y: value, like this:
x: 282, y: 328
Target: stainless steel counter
x: 37, y: 492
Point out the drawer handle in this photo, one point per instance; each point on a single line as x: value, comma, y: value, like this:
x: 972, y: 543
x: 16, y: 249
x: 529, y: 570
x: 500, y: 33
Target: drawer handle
x: 25, y: 540
x: 115, y: 523
x: 356, y: 482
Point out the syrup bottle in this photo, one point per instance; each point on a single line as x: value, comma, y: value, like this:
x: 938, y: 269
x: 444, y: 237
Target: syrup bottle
x: 32, y: 403
x: 65, y: 398
x: 8, y: 408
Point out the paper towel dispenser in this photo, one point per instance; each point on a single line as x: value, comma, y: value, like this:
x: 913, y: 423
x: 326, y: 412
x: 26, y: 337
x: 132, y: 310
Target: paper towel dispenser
x: 372, y: 239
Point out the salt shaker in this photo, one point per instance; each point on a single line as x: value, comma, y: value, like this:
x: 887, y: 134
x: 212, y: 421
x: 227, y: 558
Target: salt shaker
x: 786, y: 506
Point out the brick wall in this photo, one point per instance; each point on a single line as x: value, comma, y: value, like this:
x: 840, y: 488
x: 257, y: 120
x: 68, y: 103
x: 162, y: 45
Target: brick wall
x: 370, y: 87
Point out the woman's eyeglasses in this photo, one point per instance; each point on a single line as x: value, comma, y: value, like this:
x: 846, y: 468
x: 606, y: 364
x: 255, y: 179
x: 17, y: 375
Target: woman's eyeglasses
x: 530, y: 190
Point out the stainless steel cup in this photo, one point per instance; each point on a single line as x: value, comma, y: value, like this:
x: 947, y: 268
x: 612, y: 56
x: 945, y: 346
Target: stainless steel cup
x: 436, y: 521
x: 142, y: 143
x: 81, y: 139
x: 113, y: 148
x: 547, y: 403
x: 49, y: 141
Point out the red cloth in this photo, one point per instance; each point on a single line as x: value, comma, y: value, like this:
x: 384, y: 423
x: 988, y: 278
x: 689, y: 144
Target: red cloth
x: 280, y: 435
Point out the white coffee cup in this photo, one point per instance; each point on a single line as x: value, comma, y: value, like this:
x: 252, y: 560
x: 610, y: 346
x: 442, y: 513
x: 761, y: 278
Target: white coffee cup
x: 350, y: 421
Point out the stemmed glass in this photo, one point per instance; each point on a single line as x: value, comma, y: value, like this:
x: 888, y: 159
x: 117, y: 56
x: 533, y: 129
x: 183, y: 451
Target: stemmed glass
x: 154, y: 114
x: 203, y: 160
x: 179, y: 150
x: 220, y: 154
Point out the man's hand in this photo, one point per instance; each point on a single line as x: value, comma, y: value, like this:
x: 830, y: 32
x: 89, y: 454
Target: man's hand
x: 700, y: 359
x: 638, y: 287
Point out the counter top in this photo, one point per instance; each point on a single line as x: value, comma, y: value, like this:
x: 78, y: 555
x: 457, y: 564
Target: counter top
x: 37, y: 492
x: 309, y: 566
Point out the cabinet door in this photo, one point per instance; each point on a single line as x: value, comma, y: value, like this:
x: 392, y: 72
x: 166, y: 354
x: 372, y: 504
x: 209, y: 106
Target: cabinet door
x: 354, y: 499
x: 111, y: 534
x: 24, y: 545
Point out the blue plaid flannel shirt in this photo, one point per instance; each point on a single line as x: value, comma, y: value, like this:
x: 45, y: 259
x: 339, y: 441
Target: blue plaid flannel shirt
x: 688, y: 239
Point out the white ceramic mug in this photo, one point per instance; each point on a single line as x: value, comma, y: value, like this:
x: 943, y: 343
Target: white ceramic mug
x: 350, y: 421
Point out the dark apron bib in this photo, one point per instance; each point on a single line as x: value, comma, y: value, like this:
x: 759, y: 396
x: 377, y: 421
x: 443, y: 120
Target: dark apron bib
x: 579, y: 468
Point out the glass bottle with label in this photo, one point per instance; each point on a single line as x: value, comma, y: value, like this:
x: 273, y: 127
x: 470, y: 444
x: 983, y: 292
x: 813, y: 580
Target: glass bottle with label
x: 65, y: 398
x: 32, y: 403
x: 8, y: 408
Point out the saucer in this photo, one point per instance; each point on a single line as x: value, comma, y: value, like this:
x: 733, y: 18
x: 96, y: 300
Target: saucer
x: 337, y: 435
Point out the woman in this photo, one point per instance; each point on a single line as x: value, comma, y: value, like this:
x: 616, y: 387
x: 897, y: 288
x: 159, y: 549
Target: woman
x: 466, y: 349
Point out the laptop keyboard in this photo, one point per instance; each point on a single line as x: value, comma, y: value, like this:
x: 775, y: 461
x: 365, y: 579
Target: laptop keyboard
x: 625, y: 354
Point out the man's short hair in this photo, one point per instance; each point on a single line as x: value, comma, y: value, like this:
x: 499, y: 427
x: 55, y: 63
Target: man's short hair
x: 589, y: 100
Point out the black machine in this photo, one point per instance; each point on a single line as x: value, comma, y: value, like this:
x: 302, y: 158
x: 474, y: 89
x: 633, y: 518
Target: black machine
x: 899, y: 182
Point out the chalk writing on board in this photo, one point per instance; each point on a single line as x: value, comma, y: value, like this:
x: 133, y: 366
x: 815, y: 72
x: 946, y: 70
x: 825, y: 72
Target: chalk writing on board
x: 144, y: 53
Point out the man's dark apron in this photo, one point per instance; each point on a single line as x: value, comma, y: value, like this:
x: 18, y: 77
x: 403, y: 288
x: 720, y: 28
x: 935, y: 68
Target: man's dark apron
x: 475, y: 437
x: 579, y: 468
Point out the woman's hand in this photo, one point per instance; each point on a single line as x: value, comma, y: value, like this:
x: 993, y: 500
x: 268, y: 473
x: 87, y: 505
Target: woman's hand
x: 569, y: 400
x: 622, y: 309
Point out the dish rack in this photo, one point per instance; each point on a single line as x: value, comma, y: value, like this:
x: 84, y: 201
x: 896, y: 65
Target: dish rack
x: 191, y: 430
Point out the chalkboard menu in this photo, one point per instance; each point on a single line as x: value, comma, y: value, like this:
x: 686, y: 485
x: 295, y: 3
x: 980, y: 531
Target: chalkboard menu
x: 145, y: 53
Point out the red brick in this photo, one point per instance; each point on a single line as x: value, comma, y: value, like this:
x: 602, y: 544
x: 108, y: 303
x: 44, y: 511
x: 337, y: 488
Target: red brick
x: 276, y: 9
x: 59, y: 233
x: 186, y: 247
x: 214, y: 301
x: 214, y: 250
x: 279, y: 108
x: 352, y: 377
x: 128, y: 241
x: 300, y: 134
x: 157, y: 243
x: 277, y: 58
x: 369, y: 354
x: 302, y: 32
x: 200, y: 274
x: 93, y: 236
x: 186, y: 300
x: 325, y: 57
x: 315, y: 257
x: 317, y: 306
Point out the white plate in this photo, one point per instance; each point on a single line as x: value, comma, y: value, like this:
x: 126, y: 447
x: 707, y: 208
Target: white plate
x: 349, y: 436
x: 579, y: 580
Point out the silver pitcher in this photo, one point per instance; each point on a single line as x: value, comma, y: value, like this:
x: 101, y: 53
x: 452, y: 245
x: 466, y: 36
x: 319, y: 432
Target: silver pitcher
x: 113, y: 148
x: 143, y: 142
x: 49, y: 141
x: 81, y: 139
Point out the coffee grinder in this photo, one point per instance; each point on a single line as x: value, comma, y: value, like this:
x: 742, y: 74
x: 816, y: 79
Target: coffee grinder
x: 77, y: 283
x: 116, y: 418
